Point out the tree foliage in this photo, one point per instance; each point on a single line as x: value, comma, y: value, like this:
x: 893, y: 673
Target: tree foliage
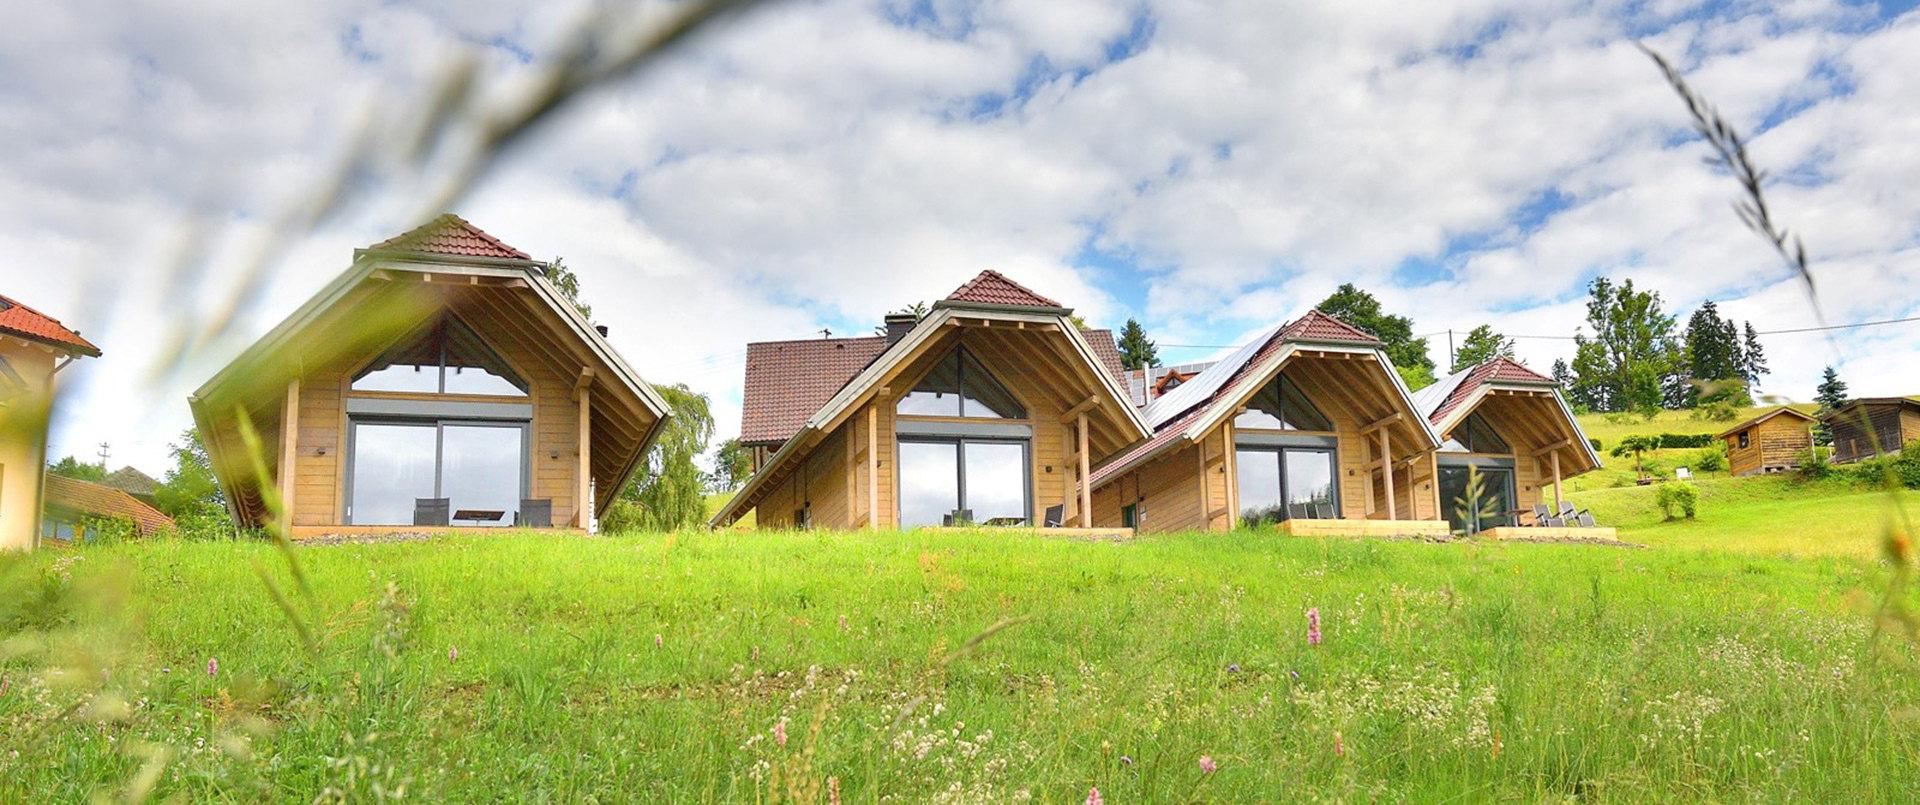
x: 1716, y: 361
x: 732, y: 465
x: 1362, y: 310
x: 568, y: 284
x: 668, y: 493
x: 1482, y: 344
x: 1625, y: 365
x: 189, y: 493
x: 1831, y: 394
x: 78, y: 470
x: 1136, y: 350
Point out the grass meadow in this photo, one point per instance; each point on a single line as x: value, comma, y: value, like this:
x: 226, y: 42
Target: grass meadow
x: 819, y: 667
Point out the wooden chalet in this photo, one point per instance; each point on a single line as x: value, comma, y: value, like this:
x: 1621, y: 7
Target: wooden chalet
x: 1770, y: 442
x: 1875, y: 426
x: 1307, y: 426
x: 34, y: 347
x: 440, y: 383
x: 990, y: 411
x: 77, y: 511
x: 1512, y: 427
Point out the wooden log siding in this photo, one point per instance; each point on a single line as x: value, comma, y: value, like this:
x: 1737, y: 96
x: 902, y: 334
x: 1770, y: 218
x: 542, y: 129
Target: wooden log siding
x: 1773, y: 445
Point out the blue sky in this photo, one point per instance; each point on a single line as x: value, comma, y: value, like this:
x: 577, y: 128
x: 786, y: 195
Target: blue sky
x: 1207, y: 167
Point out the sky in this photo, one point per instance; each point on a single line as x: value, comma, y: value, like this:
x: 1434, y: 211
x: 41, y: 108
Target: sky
x: 1207, y: 168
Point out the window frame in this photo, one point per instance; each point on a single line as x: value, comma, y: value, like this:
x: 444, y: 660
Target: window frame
x: 960, y: 468
x: 516, y: 377
x: 439, y: 425
x: 1278, y: 451
x: 961, y: 356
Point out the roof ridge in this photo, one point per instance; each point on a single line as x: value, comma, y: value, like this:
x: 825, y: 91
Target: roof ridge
x: 977, y: 290
x: 420, y: 239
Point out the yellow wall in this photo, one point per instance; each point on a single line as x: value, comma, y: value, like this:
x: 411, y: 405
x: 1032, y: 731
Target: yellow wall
x: 23, y: 438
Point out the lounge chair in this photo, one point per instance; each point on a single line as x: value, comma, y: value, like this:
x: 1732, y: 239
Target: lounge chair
x: 1323, y: 511
x: 1586, y: 520
x: 1298, y: 511
x: 432, y: 511
x: 1541, y: 514
x: 1056, y: 516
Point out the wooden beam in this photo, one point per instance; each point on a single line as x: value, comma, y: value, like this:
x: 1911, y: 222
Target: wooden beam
x: 1557, y: 505
x: 853, y: 473
x: 1553, y: 447
x: 1382, y: 422
x: 1081, y: 407
x: 873, y: 465
x: 1233, y: 476
x: 1386, y: 452
x: 585, y: 380
x: 1086, y: 476
x: 289, y: 447
x: 583, y: 495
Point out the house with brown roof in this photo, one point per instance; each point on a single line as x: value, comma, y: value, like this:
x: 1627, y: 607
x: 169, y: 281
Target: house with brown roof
x: 989, y: 411
x: 1874, y: 426
x: 1307, y: 426
x: 1770, y: 442
x: 77, y: 511
x: 440, y: 382
x: 34, y: 347
x: 1508, y: 431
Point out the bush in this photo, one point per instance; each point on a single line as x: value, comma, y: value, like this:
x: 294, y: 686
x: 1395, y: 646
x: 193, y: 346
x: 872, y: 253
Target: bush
x: 1595, y: 443
x: 1677, y: 496
x: 1716, y: 411
x: 1815, y: 463
x: 1710, y: 459
x: 1669, y: 441
x: 1904, y: 467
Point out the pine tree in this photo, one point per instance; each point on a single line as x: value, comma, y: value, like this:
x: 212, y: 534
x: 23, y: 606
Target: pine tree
x: 1481, y: 345
x: 1136, y: 351
x: 1753, y: 357
x: 1715, y: 364
x: 1832, y: 396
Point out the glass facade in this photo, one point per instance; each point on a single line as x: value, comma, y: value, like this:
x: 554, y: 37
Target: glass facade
x: 958, y: 386
x: 478, y: 467
x: 961, y: 481
x: 1280, y: 483
x: 446, y: 358
x: 1280, y: 405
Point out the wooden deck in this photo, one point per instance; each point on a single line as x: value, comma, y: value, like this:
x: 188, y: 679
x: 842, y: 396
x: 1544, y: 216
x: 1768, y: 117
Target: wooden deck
x: 1535, y: 532
x: 1364, y: 528
x: 1030, y: 531
x: 301, y: 532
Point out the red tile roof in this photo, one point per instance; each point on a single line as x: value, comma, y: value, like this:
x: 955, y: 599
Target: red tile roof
x: 787, y: 381
x: 451, y: 234
x: 993, y: 288
x: 18, y: 319
x: 1501, y: 369
x: 82, y: 497
x: 1318, y: 326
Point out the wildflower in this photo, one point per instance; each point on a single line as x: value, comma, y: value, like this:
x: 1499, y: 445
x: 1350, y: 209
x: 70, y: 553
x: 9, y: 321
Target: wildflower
x: 657, y: 642
x: 1093, y: 797
x: 1207, y: 766
x: 453, y: 653
x: 1233, y: 668
x: 1339, y: 747
x: 1296, y: 674
x: 780, y: 733
x: 213, y: 667
x: 833, y: 791
x: 843, y: 623
x: 1126, y: 761
x: 1313, y: 626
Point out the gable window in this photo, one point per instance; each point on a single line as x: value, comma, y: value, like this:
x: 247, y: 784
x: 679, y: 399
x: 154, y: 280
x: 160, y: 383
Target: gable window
x: 1746, y: 439
x: 1280, y: 405
x: 959, y: 386
x: 1474, y: 435
x: 447, y: 357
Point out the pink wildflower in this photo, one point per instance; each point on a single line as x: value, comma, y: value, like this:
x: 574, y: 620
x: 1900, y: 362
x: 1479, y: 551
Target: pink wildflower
x: 833, y: 791
x: 453, y: 653
x: 843, y: 623
x: 1339, y: 747
x: 213, y: 667
x: 1207, y: 766
x: 1093, y: 797
x: 780, y: 733
x: 657, y: 642
x: 1313, y: 626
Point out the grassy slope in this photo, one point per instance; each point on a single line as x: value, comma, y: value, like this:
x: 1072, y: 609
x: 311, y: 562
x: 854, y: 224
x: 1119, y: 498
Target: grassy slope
x: 1619, y: 471
x: 1780, y: 515
x: 1449, y: 672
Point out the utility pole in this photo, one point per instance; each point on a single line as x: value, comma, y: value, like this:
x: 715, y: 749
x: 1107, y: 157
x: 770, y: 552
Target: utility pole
x: 104, y: 452
x: 1453, y: 359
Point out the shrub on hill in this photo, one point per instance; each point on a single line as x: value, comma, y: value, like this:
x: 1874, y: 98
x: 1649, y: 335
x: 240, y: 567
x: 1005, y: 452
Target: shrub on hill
x: 1905, y: 468
x: 1815, y: 463
x: 1680, y: 497
x: 1669, y: 441
x: 1595, y: 443
x: 1709, y: 459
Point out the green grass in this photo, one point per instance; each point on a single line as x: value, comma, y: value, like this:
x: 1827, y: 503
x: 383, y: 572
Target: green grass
x: 1458, y: 672
x: 1619, y: 471
x: 1774, y: 514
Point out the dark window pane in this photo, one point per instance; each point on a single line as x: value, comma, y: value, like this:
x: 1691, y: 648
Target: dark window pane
x: 985, y: 397
x: 929, y: 482
x: 938, y: 394
x: 392, y: 465
x: 1259, y: 480
x: 1309, y: 476
x: 473, y: 368
x: 480, y: 470
x: 996, y: 481
x: 1298, y: 411
x: 1280, y: 405
x: 415, y: 365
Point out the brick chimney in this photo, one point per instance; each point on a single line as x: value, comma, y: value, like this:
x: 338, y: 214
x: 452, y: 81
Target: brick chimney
x: 898, y: 324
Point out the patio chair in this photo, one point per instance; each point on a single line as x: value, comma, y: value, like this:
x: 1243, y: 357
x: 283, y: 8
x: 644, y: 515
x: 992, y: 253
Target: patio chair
x: 1541, y: 514
x: 1569, y: 511
x: 432, y: 511
x: 1298, y: 511
x: 1324, y: 511
x: 535, y: 513
x: 1056, y: 516
x: 1586, y: 520
x: 959, y: 517
x: 1556, y: 522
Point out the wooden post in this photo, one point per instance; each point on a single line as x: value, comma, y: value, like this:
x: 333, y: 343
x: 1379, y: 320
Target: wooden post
x: 289, y: 447
x: 1386, y: 469
x: 1233, y: 477
x: 584, y: 481
x: 1086, y: 478
x: 873, y: 466
x: 1556, y: 483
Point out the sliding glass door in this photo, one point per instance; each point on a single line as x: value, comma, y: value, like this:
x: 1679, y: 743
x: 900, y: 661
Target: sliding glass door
x: 479, y: 468
x: 1280, y: 483
x: 1473, y: 510
x: 959, y: 481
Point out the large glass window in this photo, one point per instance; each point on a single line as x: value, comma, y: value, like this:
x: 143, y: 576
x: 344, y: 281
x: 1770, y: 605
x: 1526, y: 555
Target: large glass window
x: 1281, y: 483
x: 959, y: 386
x: 963, y: 481
x: 445, y: 358
x: 479, y: 469
x: 1474, y: 435
x: 1477, y: 498
x: 1280, y: 405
